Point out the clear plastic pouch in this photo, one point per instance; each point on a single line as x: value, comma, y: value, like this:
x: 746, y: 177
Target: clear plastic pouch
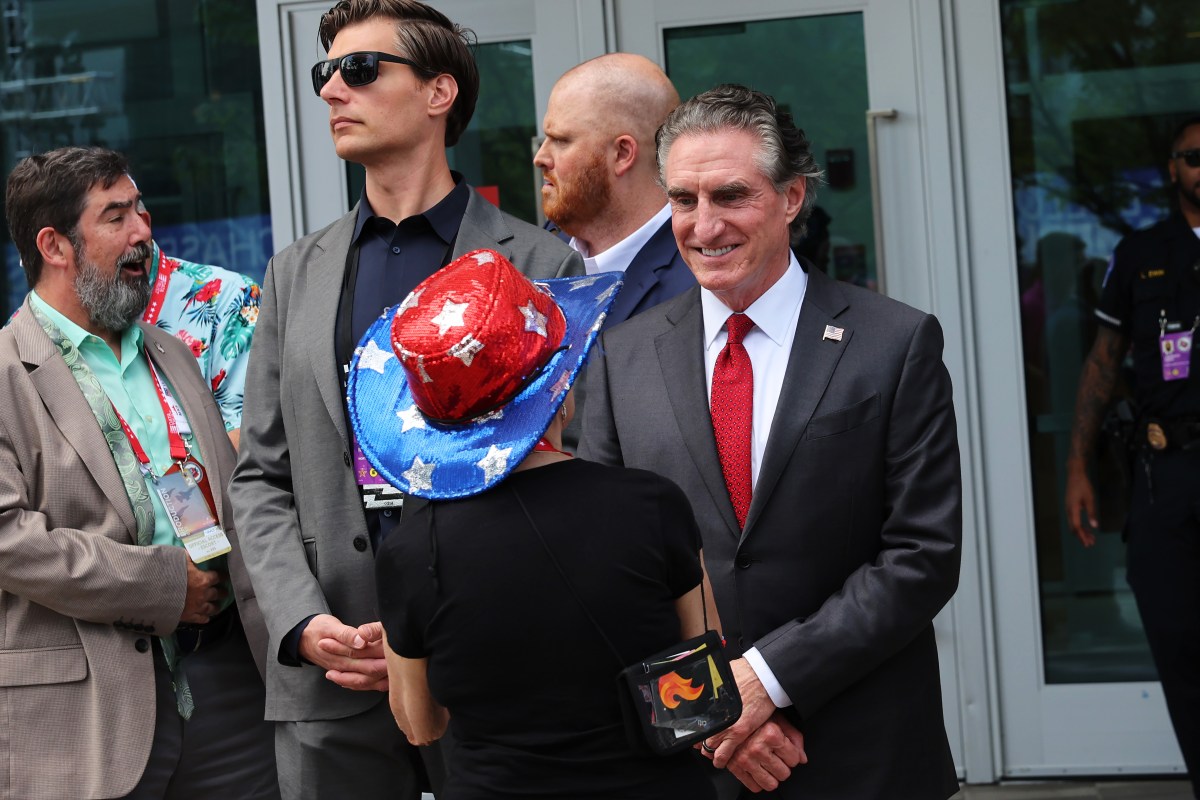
x: 683, y: 694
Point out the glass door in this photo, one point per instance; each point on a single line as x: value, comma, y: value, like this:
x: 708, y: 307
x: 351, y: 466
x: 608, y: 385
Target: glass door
x: 1090, y: 111
x: 847, y: 71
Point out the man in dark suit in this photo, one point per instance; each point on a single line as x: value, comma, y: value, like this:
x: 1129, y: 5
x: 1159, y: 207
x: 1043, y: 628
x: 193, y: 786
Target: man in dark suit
x: 600, y: 183
x: 824, y: 472
x: 401, y: 84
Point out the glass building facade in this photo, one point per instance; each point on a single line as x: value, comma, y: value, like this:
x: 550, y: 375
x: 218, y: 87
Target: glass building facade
x: 173, y: 84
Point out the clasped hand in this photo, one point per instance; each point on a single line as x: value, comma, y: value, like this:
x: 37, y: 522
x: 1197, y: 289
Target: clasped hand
x: 351, y: 657
x: 762, y: 747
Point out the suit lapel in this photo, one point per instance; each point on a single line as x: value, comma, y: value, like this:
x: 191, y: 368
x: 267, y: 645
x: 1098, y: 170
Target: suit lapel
x: 324, y: 274
x: 681, y: 359
x: 174, y: 366
x: 642, y: 274
x: 809, y: 370
x: 482, y: 227
x: 70, y: 411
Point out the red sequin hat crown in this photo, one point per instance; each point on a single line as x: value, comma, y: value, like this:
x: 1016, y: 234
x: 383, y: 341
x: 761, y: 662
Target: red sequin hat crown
x: 472, y: 335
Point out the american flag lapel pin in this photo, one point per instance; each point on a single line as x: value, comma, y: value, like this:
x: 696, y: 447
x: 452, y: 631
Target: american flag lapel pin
x: 832, y: 334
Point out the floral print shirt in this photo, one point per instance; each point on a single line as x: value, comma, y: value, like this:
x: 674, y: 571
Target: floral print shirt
x: 213, y: 311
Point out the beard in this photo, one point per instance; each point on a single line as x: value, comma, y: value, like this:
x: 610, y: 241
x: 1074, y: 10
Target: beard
x: 576, y: 203
x: 113, y: 304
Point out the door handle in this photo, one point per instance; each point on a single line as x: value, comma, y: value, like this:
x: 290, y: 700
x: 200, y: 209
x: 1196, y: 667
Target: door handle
x: 873, y: 116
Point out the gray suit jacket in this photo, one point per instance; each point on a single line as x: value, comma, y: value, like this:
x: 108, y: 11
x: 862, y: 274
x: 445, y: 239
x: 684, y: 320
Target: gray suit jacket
x: 851, y: 544
x: 78, y: 596
x: 297, y: 505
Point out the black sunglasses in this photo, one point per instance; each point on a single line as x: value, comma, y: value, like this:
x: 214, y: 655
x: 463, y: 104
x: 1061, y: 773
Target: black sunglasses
x: 1190, y: 157
x: 358, y: 69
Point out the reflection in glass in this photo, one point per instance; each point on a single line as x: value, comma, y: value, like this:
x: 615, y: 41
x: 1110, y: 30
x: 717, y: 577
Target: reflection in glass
x: 816, y: 68
x: 1090, y: 109
x: 175, y: 86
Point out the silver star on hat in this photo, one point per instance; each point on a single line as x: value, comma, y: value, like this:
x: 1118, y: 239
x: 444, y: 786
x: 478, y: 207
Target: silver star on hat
x: 419, y: 475
x: 374, y: 357
x: 535, y: 321
x: 411, y: 417
x: 494, y: 463
x: 451, y: 316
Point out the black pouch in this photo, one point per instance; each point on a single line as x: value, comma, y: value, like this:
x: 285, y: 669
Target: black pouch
x: 682, y: 695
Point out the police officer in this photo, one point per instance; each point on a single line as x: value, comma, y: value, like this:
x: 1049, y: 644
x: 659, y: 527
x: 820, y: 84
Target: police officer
x: 1151, y: 300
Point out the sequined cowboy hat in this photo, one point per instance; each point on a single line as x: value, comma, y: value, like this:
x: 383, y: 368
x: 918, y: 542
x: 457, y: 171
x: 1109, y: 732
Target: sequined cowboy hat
x: 450, y: 390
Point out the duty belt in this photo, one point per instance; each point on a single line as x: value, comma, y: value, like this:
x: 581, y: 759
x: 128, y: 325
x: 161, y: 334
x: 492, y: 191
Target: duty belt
x: 1180, y: 433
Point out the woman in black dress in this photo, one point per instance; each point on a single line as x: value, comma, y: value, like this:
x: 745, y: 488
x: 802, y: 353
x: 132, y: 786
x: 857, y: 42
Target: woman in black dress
x: 484, y: 634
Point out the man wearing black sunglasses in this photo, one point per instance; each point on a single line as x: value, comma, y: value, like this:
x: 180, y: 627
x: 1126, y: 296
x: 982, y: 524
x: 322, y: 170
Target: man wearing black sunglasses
x: 1151, y: 301
x: 401, y: 84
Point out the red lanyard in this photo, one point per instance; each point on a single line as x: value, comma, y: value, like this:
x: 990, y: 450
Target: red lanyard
x: 543, y: 446
x: 162, y: 278
x: 179, y: 450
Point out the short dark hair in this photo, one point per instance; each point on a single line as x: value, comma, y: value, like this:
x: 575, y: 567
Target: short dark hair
x: 49, y: 190
x: 784, y: 154
x: 1181, y: 129
x: 428, y: 37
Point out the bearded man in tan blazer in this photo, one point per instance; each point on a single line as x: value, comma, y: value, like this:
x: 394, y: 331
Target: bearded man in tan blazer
x: 125, y: 650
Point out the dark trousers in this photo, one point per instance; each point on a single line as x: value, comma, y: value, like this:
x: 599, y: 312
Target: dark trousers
x: 364, y: 757
x: 226, y: 750
x: 1164, y: 573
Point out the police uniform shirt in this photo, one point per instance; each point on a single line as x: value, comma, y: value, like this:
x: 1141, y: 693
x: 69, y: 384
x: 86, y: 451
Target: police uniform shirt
x: 1155, y: 274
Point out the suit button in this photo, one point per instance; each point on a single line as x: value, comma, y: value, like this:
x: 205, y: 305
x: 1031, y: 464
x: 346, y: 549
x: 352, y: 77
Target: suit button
x: 742, y: 561
x: 141, y: 645
x: 346, y: 457
x: 360, y: 543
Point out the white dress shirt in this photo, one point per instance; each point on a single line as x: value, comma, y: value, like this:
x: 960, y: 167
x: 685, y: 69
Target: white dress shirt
x: 618, y: 257
x: 769, y: 344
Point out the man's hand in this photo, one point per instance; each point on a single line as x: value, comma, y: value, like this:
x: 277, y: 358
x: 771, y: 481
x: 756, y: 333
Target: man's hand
x: 757, y: 708
x: 767, y: 757
x: 1099, y: 378
x: 1080, y: 496
x: 204, y: 595
x: 352, y: 657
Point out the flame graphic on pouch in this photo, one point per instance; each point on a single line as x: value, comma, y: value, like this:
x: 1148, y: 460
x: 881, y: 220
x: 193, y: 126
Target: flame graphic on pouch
x: 672, y: 687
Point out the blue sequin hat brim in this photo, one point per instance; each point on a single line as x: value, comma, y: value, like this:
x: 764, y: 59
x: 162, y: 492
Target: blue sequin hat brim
x: 443, y: 461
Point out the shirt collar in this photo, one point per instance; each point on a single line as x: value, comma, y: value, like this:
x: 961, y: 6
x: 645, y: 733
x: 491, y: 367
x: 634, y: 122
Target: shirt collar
x: 773, y: 313
x: 131, y: 337
x: 621, y: 254
x: 444, y: 217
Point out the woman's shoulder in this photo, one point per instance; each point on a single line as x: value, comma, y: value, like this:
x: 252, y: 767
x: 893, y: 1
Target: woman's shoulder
x: 630, y: 480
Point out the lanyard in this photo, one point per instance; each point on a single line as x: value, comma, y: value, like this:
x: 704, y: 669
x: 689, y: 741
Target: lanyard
x: 161, y: 279
x: 179, y: 448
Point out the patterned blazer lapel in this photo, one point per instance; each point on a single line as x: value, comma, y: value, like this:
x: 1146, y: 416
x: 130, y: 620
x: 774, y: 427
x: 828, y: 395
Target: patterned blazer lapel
x: 809, y: 370
x: 70, y: 410
x: 681, y: 359
x: 324, y: 275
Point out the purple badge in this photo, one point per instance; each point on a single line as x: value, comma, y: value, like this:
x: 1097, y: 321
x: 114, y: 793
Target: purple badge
x: 1176, y: 352
x: 364, y: 473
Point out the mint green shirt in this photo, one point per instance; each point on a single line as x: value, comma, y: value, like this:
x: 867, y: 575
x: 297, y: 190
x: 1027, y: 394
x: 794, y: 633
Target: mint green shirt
x: 130, y: 387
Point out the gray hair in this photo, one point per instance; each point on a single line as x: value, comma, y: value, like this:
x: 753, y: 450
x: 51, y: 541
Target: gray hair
x: 784, y: 154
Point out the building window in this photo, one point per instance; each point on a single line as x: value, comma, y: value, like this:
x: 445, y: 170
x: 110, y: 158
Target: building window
x: 173, y: 84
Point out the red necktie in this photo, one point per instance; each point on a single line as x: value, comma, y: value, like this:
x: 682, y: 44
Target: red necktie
x: 733, y: 413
